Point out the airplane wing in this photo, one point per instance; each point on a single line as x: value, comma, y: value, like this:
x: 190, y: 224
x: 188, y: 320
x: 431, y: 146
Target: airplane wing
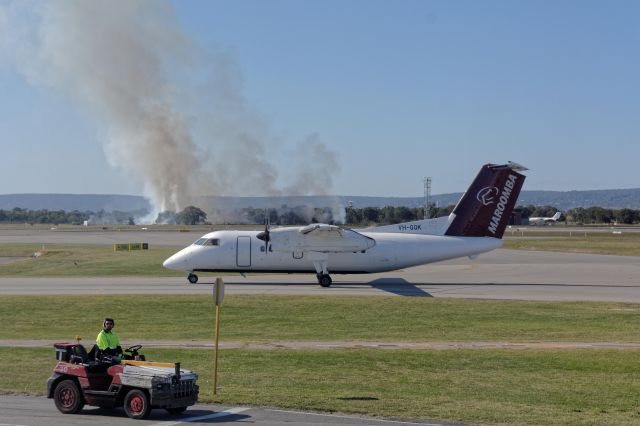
x: 321, y: 229
x: 319, y: 237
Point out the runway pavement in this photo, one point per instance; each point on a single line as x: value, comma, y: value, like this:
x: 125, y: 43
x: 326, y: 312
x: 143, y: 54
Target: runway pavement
x: 501, y: 274
x: 18, y: 410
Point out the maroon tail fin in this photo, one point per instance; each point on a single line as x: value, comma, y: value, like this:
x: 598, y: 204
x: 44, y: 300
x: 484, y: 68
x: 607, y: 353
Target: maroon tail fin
x: 484, y: 210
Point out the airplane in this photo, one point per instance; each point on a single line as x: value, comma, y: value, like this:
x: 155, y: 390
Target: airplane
x: 544, y: 220
x: 475, y: 226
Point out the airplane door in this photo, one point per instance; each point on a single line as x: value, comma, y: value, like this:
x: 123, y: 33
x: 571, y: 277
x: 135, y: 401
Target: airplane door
x: 243, y: 251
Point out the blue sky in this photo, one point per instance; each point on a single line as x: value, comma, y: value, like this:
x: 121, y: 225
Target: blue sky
x: 398, y: 90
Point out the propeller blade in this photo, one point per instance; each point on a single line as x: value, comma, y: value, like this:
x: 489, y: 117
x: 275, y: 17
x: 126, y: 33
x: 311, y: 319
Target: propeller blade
x: 265, y: 235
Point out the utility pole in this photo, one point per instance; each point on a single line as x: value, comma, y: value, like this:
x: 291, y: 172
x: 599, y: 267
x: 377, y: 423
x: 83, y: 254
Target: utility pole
x: 427, y: 197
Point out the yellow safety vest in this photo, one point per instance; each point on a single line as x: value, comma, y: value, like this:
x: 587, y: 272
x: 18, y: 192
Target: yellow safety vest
x: 107, y: 340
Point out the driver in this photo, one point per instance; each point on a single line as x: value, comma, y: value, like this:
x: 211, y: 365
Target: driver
x: 108, y: 341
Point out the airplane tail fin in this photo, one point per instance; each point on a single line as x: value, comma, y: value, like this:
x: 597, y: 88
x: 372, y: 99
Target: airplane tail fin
x: 484, y: 210
x: 556, y: 216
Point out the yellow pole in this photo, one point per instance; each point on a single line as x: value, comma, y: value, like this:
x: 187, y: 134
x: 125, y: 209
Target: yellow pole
x: 215, y: 358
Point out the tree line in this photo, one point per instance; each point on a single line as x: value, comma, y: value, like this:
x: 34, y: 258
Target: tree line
x: 74, y: 217
x: 302, y: 215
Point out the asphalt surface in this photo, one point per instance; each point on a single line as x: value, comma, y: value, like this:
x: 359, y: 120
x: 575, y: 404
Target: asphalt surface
x: 501, y: 274
x: 39, y: 411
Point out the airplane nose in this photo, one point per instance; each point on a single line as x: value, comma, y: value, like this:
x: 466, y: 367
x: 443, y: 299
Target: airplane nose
x: 178, y: 261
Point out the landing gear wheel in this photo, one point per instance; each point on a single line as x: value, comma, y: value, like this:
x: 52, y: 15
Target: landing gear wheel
x: 193, y: 278
x: 68, y: 398
x: 176, y: 410
x: 136, y: 404
x: 325, y: 280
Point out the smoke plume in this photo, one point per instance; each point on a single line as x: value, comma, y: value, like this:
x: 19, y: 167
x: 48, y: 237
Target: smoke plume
x: 172, y: 112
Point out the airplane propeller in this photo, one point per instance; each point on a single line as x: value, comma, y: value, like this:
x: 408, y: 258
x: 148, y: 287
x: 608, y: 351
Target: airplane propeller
x: 265, y: 235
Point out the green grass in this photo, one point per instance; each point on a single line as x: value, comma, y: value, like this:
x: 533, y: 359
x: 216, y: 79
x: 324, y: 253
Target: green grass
x: 270, y: 318
x: 626, y: 244
x: 489, y: 386
x: 551, y: 387
x: 75, y: 260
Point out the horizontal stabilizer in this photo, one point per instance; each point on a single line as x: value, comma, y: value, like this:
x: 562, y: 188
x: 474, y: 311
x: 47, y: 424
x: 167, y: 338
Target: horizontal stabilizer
x: 436, y: 226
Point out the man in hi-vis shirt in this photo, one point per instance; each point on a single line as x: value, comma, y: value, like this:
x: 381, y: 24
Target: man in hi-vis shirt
x: 107, y: 340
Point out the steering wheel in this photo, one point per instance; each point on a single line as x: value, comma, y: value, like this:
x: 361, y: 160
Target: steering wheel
x: 134, y: 348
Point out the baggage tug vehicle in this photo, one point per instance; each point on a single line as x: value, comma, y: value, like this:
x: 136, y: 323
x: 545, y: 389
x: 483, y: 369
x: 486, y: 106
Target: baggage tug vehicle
x: 101, y: 380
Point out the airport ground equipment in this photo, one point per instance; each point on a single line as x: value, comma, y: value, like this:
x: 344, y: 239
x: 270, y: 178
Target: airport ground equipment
x: 107, y: 381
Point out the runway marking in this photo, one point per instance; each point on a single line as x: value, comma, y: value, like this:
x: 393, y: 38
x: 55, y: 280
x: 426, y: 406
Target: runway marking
x: 355, y: 418
x: 10, y: 424
x: 224, y: 413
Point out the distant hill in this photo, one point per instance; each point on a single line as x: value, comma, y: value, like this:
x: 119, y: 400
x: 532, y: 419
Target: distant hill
x: 70, y: 202
x: 563, y: 200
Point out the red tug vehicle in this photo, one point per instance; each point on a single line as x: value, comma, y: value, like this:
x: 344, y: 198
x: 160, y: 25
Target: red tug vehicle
x: 107, y: 381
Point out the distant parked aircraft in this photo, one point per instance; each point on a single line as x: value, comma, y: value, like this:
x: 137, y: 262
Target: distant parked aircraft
x: 475, y: 226
x: 544, y: 220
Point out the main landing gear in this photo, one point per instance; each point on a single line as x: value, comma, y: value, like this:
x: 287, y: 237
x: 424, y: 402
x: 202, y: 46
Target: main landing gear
x: 193, y: 278
x: 324, y: 280
x: 320, y: 264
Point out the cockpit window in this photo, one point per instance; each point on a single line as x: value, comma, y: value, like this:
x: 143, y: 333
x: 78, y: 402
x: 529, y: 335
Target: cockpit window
x: 207, y: 242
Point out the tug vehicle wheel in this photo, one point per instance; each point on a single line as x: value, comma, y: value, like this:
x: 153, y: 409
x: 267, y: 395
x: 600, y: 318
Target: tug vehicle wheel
x: 68, y: 398
x: 136, y: 404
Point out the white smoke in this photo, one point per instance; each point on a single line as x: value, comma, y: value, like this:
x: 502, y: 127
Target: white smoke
x: 173, y: 112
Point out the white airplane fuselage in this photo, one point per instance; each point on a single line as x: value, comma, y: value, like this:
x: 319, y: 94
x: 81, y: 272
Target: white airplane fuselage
x: 242, y: 251
x: 476, y: 225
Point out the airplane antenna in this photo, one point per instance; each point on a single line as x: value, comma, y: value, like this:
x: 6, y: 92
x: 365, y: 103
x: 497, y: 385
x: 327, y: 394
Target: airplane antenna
x: 427, y: 197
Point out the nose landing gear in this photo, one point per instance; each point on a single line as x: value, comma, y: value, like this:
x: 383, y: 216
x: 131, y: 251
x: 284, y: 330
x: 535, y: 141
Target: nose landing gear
x: 193, y: 278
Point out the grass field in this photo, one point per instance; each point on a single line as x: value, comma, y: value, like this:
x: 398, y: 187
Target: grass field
x: 255, y: 318
x: 625, y: 244
x: 487, y: 386
x: 84, y: 261
x: 551, y: 387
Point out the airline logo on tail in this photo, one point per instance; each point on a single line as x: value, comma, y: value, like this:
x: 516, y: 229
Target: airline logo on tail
x: 502, y: 203
x: 486, y: 194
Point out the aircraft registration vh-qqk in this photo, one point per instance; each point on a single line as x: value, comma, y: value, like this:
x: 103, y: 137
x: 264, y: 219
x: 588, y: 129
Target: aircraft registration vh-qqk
x: 475, y: 226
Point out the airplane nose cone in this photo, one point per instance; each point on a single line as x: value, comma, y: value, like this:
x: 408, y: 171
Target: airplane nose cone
x: 178, y: 261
